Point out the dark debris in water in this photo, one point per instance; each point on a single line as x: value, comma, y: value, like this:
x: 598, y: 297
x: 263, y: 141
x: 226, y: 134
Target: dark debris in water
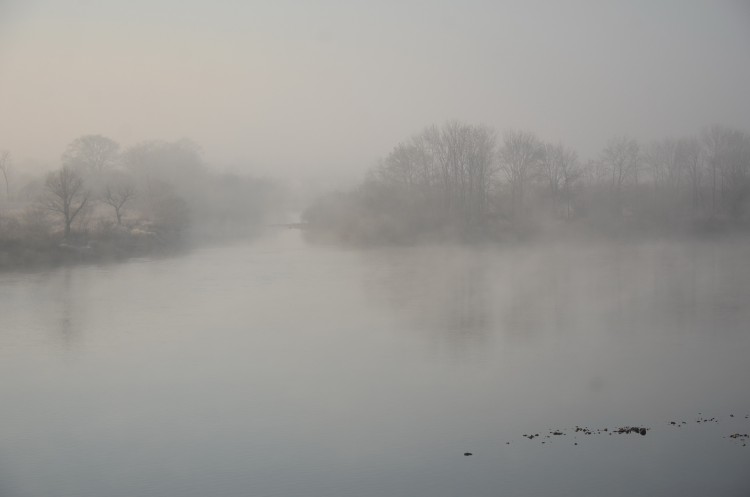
x: 708, y: 420
x: 634, y: 429
x: 740, y: 437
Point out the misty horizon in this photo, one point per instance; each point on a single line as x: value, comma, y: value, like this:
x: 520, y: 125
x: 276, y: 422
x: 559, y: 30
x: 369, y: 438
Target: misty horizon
x: 283, y: 90
x: 331, y: 248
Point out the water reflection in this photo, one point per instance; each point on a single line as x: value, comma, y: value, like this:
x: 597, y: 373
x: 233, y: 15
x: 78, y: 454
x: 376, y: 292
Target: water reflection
x: 62, y: 299
x: 284, y: 369
x: 466, y: 298
x: 444, y: 292
x: 67, y: 312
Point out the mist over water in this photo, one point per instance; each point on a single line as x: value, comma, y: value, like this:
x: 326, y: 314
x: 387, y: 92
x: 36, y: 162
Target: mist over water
x: 393, y: 248
x: 277, y: 367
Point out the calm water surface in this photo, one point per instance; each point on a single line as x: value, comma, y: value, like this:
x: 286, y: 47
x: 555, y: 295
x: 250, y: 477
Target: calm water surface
x: 279, y: 368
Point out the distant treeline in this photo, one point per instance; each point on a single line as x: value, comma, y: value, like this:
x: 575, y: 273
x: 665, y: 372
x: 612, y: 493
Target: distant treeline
x: 103, y: 202
x: 463, y: 181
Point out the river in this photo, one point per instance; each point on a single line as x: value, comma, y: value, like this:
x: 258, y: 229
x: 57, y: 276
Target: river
x: 282, y: 368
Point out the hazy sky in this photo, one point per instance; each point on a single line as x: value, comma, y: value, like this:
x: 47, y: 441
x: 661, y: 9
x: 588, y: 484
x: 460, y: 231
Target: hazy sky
x: 283, y: 87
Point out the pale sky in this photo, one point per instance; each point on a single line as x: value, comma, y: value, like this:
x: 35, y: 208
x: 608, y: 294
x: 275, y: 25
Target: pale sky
x: 327, y: 87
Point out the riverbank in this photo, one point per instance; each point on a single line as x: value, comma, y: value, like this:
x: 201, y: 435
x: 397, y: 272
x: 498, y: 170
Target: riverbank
x: 115, y: 244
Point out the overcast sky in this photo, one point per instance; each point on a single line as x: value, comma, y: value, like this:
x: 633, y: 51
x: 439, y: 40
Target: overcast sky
x: 300, y: 88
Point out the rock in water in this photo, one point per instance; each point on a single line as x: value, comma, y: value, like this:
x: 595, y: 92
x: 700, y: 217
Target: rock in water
x: 467, y: 453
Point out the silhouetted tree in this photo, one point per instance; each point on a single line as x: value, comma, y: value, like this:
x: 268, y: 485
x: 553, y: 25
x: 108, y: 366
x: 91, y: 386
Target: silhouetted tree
x: 65, y: 194
x: 520, y: 155
x: 444, y: 171
x: 736, y: 174
x: 621, y: 158
x: 119, y: 189
x: 561, y: 171
x: 727, y: 156
x: 5, y: 163
x: 692, y: 159
x: 91, y: 153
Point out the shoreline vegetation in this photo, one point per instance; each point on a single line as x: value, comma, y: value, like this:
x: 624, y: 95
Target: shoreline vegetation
x: 451, y: 183
x: 467, y: 183
x: 102, y: 204
x: 116, y: 245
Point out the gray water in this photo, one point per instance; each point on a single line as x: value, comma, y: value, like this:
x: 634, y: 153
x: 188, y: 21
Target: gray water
x: 280, y: 368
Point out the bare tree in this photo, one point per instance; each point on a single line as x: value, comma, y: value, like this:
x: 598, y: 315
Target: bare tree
x: 549, y: 169
x: 560, y: 168
x: 401, y: 166
x: 520, y: 154
x: 118, y: 191
x: 92, y: 153
x: 65, y: 194
x: 452, y: 164
x: 661, y: 159
x: 481, y: 166
x: 735, y: 174
x: 570, y: 171
x: 621, y: 157
x: 691, y: 157
x: 5, y: 164
x: 716, y: 142
x: 593, y: 173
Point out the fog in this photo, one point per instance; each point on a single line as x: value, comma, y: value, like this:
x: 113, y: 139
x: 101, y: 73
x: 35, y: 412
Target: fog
x: 360, y: 248
x: 328, y: 87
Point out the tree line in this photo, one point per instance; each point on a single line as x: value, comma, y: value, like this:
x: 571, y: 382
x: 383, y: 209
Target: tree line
x: 103, y: 198
x: 463, y: 180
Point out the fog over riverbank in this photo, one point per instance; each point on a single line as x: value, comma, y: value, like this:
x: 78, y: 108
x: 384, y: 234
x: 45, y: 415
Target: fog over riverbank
x: 462, y: 181
x: 403, y: 248
x: 388, y: 123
